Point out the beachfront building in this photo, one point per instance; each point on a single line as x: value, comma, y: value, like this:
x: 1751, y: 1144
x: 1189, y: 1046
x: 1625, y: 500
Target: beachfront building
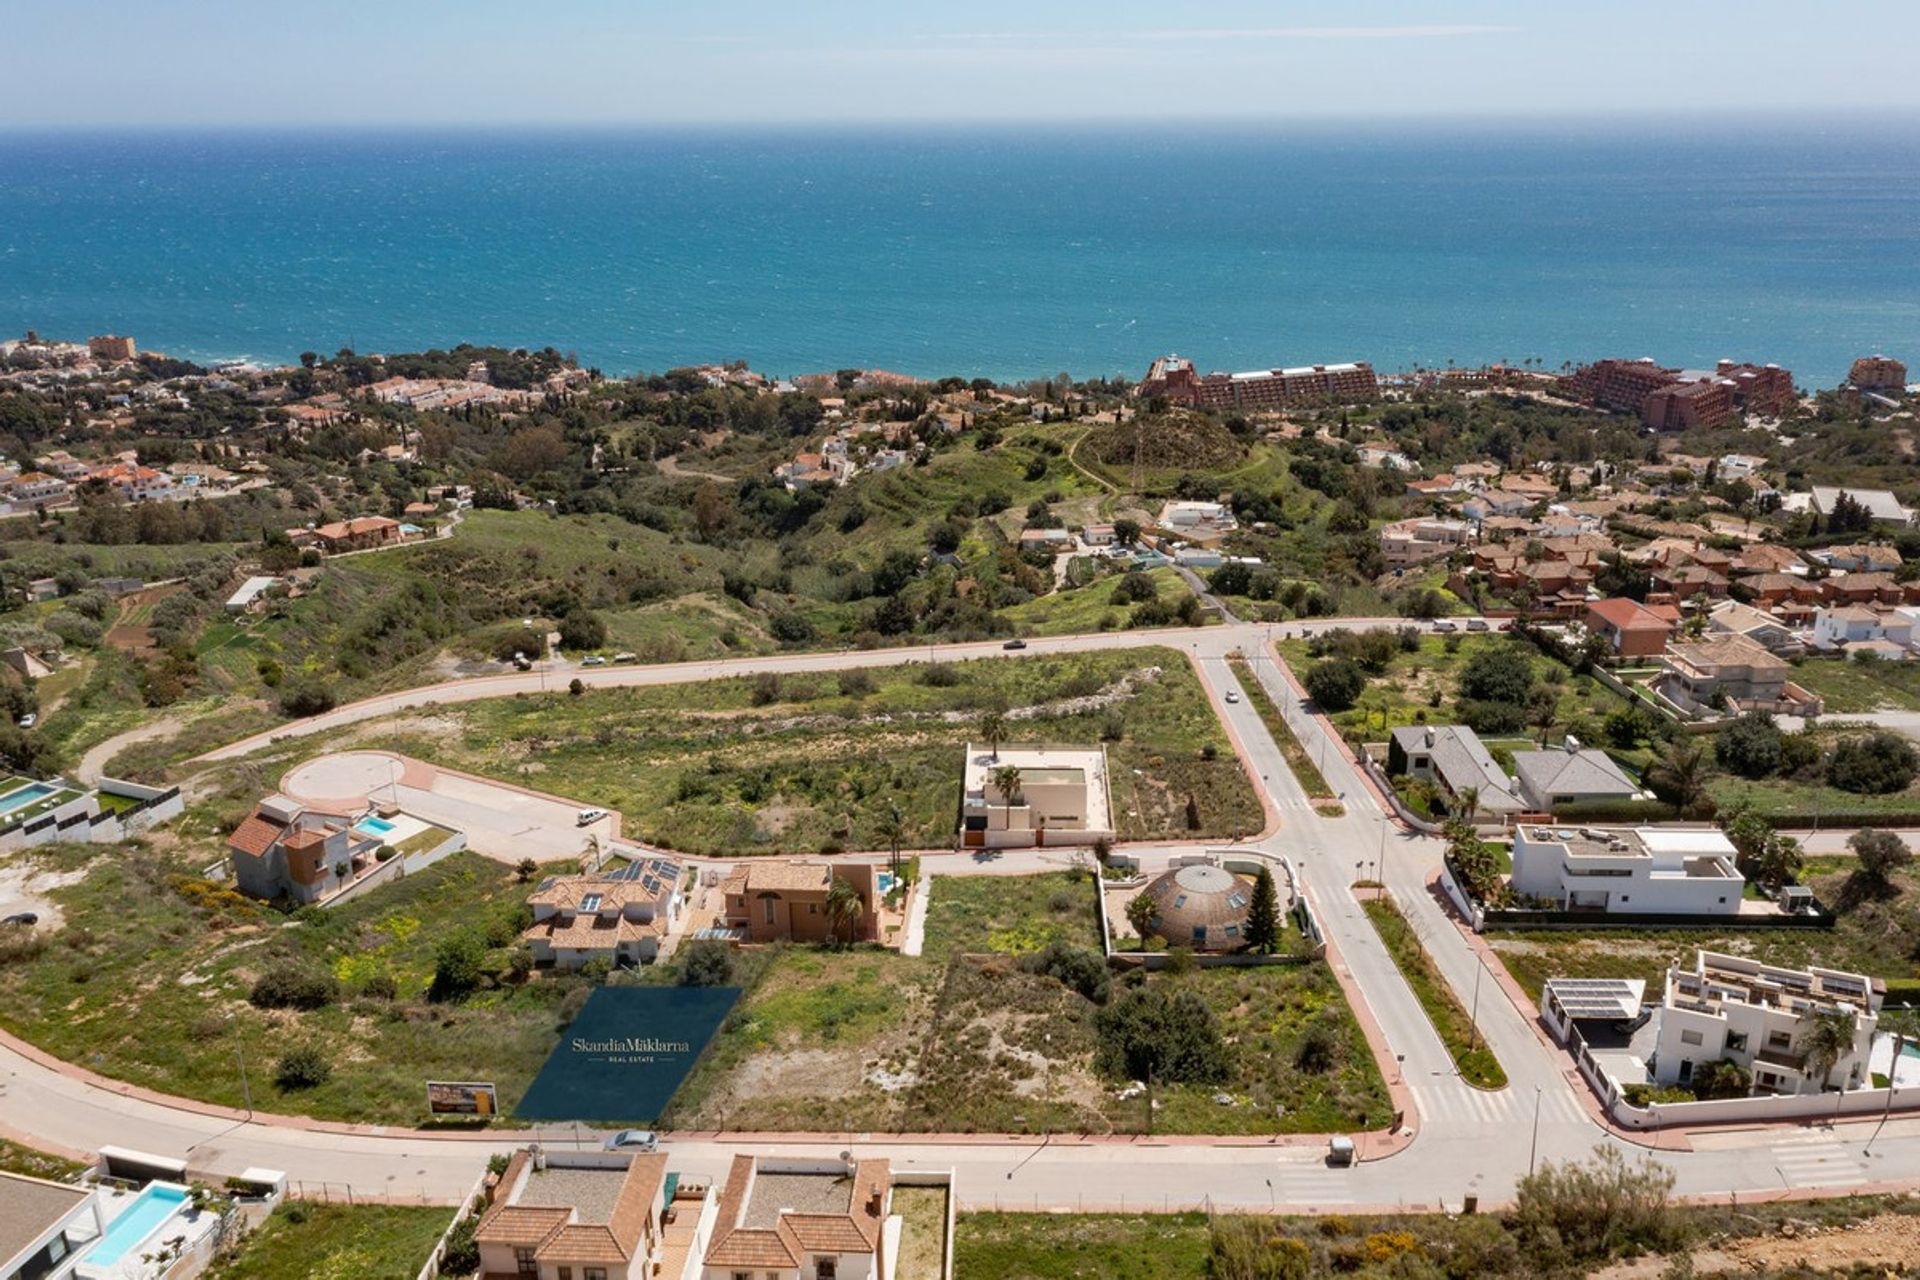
x: 1877, y: 373
x: 1175, y: 379
x: 1636, y: 870
x: 1759, y: 1016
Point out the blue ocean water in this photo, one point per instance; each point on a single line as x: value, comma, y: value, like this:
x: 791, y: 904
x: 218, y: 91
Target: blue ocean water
x: 991, y: 251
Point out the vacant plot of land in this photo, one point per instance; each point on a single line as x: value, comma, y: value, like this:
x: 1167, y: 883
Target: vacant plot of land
x: 302, y: 1241
x: 1077, y: 610
x: 806, y: 764
x: 1020, y: 1246
x: 1851, y: 687
x: 1874, y: 936
x: 148, y: 981
x: 15, y: 1158
x: 1806, y: 799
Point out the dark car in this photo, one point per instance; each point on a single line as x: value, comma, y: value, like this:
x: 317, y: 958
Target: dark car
x: 1014, y: 644
x: 22, y: 918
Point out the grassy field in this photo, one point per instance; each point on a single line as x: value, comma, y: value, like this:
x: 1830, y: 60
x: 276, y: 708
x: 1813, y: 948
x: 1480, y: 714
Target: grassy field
x: 1802, y: 799
x: 302, y: 1241
x: 1308, y: 774
x: 1077, y: 610
x: 1425, y: 683
x: 1470, y: 1053
x: 803, y: 764
x: 1874, y: 935
x: 956, y: 1041
x: 1022, y: 1246
x: 15, y: 1158
x: 923, y: 1232
x: 149, y: 977
x: 1850, y: 687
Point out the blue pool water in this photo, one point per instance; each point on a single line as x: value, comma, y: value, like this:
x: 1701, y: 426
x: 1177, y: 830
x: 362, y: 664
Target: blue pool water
x: 885, y: 879
x: 149, y: 1209
x: 25, y: 796
x: 379, y: 826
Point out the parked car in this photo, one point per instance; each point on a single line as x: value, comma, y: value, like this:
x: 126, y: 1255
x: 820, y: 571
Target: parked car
x: 1340, y: 1151
x: 523, y: 662
x: 1444, y: 626
x: 587, y: 817
x: 1476, y: 624
x: 626, y: 657
x: 1014, y: 644
x: 22, y: 918
x: 593, y: 660
x: 29, y: 720
x: 634, y: 1140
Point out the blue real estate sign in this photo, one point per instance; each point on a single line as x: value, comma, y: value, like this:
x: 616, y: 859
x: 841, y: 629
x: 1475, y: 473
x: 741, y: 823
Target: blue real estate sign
x: 626, y: 1053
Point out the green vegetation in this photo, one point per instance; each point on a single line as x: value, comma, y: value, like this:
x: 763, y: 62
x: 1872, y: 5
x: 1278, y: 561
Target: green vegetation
x: 15, y: 1158
x: 1077, y: 610
x: 305, y: 1241
x: 1308, y: 774
x: 1022, y: 1246
x: 149, y: 978
x: 923, y: 1232
x: 1470, y: 1053
x: 796, y: 764
x: 1851, y: 687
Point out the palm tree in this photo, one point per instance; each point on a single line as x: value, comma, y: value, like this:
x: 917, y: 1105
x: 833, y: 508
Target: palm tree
x: 890, y: 828
x: 1467, y: 802
x: 1680, y: 777
x: 844, y: 909
x: 1827, y: 1039
x: 993, y: 727
x: 1006, y: 780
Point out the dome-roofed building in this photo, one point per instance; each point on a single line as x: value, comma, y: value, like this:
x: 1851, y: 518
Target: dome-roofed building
x: 1201, y: 906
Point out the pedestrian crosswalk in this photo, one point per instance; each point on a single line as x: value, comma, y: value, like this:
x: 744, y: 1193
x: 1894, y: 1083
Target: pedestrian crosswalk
x: 1454, y: 1103
x: 1311, y: 1182
x: 1817, y: 1159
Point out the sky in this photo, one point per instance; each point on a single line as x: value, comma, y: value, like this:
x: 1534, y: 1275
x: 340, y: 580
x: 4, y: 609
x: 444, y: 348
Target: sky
x: 228, y: 63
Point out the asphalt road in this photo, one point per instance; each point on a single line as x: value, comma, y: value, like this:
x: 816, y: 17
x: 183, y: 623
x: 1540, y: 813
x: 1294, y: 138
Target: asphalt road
x: 1469, y: 1140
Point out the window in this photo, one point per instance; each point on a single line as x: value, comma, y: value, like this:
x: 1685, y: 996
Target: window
x: 1199, y: 933
x: 1736, y: 1041
x: 743, y: 1275
x: 523, y: 1261
x: 813, y: 908
x: 590, y: 903
x: 827, y: 1268
x: 566, y: 1273
x: 768, y: 904
x: 596, y: 1273
x: 1691, y: 1037
x: 1779, y: 1040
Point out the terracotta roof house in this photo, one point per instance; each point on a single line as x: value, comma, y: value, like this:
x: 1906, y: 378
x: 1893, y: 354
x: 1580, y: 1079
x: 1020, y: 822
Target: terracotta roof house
x: 1453, y: 756
x: 1686, y: 581
x: 1861, y: 588
x: 620, y: 916
x: 1736, y: 671
x: 592, y: 1215
x: 1771, y: 633
x: 286, y: 850
x: 1862, y: 558
x: 1632, y: 629
x: 1550, y: 778
x: 357, y: 534
x: 792, y: 1219
x: 778, y: 901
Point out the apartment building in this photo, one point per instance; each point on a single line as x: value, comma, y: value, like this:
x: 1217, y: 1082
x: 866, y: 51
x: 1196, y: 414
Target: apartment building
x: 111, y: 348
x: 1878, y: 373
x: 1637, y: 870
x: 1174, y: 378
x: 1759, y: 1016
x: 1409, y: 542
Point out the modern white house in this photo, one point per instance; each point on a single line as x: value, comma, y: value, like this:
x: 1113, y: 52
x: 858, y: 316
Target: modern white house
x: 1652, y: 870
x: 1060, y: 798
x: 1760, y: 1016
x: 1855, y: 627
x: 45, y: 1226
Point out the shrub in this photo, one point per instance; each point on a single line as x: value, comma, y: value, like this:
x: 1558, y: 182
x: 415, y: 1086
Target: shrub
x: 1319, y: 1050
x: 1881, y: 854
x: 1596, y: 1209
x: 385, y: 853
x: 290, y: 986
x: 1335, y: 684
x: 857, y: 683
x: 306, y: 698
x: 1501, y: 674
x: 1874, y: 764
x: 939, y: 675
x: 462, y: 1254
x: 706, y: 962
x: 302, y: 1068
x: 582, y: 629
x: 1750, y: 746
x: 457, y: 965
x: 381, y: 986
x: 1082, y: 969
x: 1174, y: 1038
x: 789, y: 627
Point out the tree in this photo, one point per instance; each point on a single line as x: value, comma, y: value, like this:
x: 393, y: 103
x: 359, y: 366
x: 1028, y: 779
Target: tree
x: 1335, y: 684
x: 1543, y: 711
x: 844, y: 909
x: 890, y: 829
x: 576, y: 688
x: 1263, y: 917
x: 582, y: 628
x: 1780, y: 860
x: 1874, y: 764
x: 1596, y: 1209
x: 1081, y: 968
x: 1126, y: 532
x: 1006, y: 780
x: 525, y: 870
x: 457, y: 965
x: 1680, y: 776
x: 993, y: 727
x: 1723, y: 1079
x: 706, y: 962
x: 1142, y: 911
x: 1193, y: 813
x: 302, y: 1068
x: 1750, y: 746
x: 1501, y: 674
x: 1825, y: 1039
x: 1881, y: 854
x: 1149, y: 1034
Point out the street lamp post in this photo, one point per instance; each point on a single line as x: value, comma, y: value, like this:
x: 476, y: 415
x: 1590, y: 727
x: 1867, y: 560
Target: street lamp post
x: 1473, y: 1017
x: 1534, y: 1152
x: 1893, y: 1066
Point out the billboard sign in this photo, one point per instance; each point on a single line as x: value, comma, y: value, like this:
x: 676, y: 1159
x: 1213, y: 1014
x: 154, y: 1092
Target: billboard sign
x: 462, y: 1098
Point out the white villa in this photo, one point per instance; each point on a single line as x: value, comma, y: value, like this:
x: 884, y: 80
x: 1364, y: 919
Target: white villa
x: 1653, y: 870
x: 1061, y: 797
x: 1758, y: 1015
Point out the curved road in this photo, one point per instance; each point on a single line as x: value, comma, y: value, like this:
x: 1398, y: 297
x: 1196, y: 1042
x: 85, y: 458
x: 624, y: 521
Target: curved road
x: 1469, y: 1141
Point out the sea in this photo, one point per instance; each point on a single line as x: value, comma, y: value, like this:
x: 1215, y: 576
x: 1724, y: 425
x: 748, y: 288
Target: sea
x: 1005, y: 252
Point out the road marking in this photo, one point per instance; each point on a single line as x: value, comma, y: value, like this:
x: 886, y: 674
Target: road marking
x: 1817, y: 1160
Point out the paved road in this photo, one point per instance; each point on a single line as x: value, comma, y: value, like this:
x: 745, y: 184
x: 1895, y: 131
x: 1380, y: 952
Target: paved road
x: 1469, y: 1140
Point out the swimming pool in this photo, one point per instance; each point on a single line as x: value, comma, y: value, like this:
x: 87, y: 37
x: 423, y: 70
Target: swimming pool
x: 884, y: 880
x: 149, y: 1210
x: 379, y: 826
x: 25, y: 796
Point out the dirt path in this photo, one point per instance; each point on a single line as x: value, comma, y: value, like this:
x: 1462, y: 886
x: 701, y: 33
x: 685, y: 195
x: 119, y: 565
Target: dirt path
x: 95, y: 761
x: 670, y: 466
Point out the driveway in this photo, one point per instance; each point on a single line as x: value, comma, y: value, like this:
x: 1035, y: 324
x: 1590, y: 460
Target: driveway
x: 500, y: 820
